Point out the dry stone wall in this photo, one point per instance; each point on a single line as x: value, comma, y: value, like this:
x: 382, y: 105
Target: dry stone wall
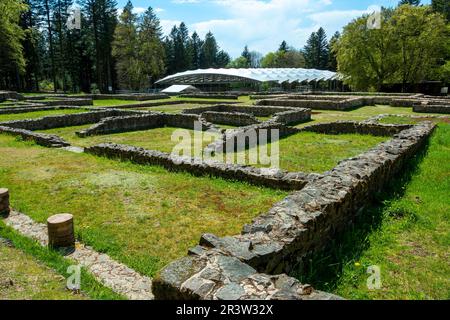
x: 301, y: 224
x: 230, y: 118
x: 46, y: 140
x: 67, y: 120
x: 26, y: 109
x: 145, y: 121
x: 278, y: 179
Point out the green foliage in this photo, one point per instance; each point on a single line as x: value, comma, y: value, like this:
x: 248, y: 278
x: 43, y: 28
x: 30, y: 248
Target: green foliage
x: 12, y: 62
x: 441, y: 6
x: 290, y: 58
x: 405, y: 50
x: 316, y: 50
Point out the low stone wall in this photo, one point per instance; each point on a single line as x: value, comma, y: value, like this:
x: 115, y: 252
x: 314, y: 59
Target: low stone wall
x: 134, y: 97
x: 144, y: 121
x: 210, y: 96
x: 230, y: 139
x: 430, y: 108
x: 16, y: 110
x: 46, y: 140
x: 353, y: 127
x: 5, y: 95
x: 230, y: 118
x: 316, y: 104
x: 67, y: 120
x: 303, y: 223
x: 65, y: 102
x: 278, y: 179
x: 293, y: 116
x: 215, y: 276
x: 282, y: 115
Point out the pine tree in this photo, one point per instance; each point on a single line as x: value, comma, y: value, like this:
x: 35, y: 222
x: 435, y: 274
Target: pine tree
x: 283, y: 47
x: 332, y: 49
x: 246, y: 55
x: 442, y: 6
x: 316, y: 50
x: 410, y: 2
x: 194, y: 47
x: 151, y: 48
x: 209, y: 52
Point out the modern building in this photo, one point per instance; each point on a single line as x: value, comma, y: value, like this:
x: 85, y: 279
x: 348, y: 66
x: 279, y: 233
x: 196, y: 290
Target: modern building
x: 250, y: 78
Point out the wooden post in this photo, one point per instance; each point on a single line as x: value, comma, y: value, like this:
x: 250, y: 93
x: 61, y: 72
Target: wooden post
x: 60, y: 231
x: 4, y: 201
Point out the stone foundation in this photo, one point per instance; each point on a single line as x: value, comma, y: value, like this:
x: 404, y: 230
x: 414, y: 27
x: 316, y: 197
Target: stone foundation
x: 65, y: 102
x: 230, y: 118
x: 210, y: 96
x: 301, y: 224
x: 46, y: 140
x: 278, y: 179
x: 287, y: 116
x: 145, y: 121
x: 67, y: 120
x: 26, y: 109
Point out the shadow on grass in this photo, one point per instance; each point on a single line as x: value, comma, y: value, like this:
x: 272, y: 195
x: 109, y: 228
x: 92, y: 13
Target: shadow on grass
x: 324, y: 268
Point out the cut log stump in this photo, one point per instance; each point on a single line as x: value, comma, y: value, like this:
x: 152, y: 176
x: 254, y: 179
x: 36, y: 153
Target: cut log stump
x: 4, y: 201
x: 60, y: 231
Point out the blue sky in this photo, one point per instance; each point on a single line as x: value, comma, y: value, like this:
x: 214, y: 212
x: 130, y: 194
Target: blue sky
x: 260, y: 24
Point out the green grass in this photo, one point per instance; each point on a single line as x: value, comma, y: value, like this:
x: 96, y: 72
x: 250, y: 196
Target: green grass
x: 314, y: 152
x: 40, y: 273
x: 153, y: 139
x: 176, y: 108
x: 406, y: 234
x: 143, y: 216
x: 408, y: 120
x: 38, y: 114
x: 359, y: 114
x: 117, y: 102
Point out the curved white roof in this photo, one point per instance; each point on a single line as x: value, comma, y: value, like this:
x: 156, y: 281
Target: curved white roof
x: 279, y: 75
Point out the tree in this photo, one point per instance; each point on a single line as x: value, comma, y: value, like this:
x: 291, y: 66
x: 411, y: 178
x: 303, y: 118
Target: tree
x: 194, y: 47
x: 410, y: 2
x: 222, y: 59
x: 283, y: 46
x: 289, y: 58
x: 332, y: 49
x: 151, y: 48
x: 406, y: 49
x: 441, y: 6
x: 316, y: 50
x: 125, y: 49
x: 209, y: 51
x: 238, y: 63
x: 12, y: 62
x: 246, y: 55
x: 420, y: 35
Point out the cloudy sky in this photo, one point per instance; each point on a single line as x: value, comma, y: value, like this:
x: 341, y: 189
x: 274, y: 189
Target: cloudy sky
x: 260, y: 24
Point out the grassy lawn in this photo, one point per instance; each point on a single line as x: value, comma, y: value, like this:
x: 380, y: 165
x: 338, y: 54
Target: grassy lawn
x: 408, y: 120
x: 117, y: 102
x: 359, y: 114
x: 406, y: 235
x: 313, y: 152
x: 38, y: 114
x: 176, y: 108
x: 153, y: 139
x: 143, y: 216
x: 24, y: 278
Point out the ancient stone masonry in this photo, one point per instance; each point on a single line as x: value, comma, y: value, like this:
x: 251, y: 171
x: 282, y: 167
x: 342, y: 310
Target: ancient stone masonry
x: 230, y: 118
x: 215, y: 276
x: 4, y: 201
x: 287, y: 116
x: 210, y: 96
x: 352, y: 127
x: 133, y: 97
x: 43, y: 139
x: 299, y: 225
x: 424, y: 104
x: 5, y: 95
x: 26, y: 109
x: 145, y: 121
x: 278, y: 179
x: 67, y: 120
x: 65, y: 102
x: 46, y: 140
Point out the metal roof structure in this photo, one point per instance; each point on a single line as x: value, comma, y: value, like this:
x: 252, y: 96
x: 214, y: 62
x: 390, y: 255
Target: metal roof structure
x: 180, y: 89
x: 279, y: 75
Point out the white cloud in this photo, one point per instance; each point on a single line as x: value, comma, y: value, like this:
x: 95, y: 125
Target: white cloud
x: 167, y: 25
x: 136, y: 10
